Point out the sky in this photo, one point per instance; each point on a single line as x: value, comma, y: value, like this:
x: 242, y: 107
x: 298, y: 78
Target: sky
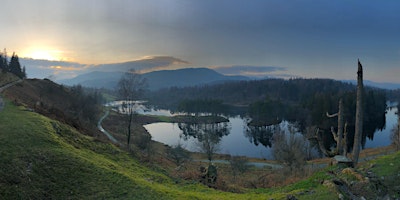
x: 293, y: 38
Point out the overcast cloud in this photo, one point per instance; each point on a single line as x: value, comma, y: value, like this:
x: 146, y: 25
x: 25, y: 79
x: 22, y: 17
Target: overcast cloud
x: 309, y: 38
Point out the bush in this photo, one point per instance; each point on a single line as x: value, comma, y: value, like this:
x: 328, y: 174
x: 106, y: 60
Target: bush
x: 289, y: 149
x: 239, y: 165
x: 178, y: 154
x: 395, y: 136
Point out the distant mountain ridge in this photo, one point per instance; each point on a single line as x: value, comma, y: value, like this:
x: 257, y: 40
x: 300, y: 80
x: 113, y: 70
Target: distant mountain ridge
x: 382, y: 85
x: 156, y: 79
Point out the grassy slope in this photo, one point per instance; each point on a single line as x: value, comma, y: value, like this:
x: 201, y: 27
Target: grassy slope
x: 7, y: 78
x: 41, y: 158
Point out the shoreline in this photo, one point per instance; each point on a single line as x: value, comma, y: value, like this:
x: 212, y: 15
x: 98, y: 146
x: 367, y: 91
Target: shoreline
x: 365, y: 154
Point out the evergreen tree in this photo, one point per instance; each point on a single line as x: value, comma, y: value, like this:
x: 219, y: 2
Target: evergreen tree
x: 3, y: 63
x: 15, y: 67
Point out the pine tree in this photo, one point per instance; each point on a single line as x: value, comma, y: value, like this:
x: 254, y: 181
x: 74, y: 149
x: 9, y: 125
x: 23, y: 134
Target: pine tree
x: 3, y: 62
x: 15, y: 67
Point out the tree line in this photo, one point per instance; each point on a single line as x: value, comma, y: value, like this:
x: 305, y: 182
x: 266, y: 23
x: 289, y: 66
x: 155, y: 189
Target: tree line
x: 304, y: 101
x: 198, y: 106
x: 247, y: 92
x: 13, y: 66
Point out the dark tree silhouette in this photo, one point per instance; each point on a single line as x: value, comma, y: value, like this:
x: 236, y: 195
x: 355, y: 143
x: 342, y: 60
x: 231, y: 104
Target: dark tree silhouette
x: 130, y: 87
x: 13, y: 66
x: 359, y: 115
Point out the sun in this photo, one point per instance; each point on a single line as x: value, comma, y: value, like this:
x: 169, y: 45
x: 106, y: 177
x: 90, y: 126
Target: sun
x: 44, y: 54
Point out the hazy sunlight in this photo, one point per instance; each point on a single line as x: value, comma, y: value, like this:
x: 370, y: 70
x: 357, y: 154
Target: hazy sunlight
x: 44, y: 54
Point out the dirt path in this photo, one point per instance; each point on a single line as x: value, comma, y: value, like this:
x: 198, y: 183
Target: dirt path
x: 100, y: 127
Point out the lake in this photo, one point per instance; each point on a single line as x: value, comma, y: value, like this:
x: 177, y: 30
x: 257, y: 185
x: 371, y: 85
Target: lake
x: 237, y: 143
x: 239, y: 138
x: 382, y: 137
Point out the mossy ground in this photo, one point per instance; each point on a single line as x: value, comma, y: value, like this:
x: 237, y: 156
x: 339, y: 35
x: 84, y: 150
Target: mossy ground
x: 44, y: 159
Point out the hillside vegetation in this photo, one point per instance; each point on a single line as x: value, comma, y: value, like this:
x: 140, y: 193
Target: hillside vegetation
x: 45, y: 159
x: 6, y: 78
x: 42, y: 157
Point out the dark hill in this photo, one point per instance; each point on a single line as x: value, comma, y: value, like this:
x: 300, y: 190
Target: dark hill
x: 67, y: 105
x: 186, y: 77
x: 95, y: 79
x: 156, y: 79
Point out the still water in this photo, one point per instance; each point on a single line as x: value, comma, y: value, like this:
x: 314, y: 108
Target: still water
x: 236, y: 138
x: 238, y: 141
x: 382, y: 137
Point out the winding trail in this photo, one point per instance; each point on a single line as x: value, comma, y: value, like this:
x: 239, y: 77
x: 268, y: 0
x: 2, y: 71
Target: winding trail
x: 2, y: 88
x: 100, y: 127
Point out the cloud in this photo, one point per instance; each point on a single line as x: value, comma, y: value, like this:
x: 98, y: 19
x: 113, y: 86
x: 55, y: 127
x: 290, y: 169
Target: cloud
x: 63, y: 69
x: 46, y: 68
x: 246, y: 70
x: 146, y: 64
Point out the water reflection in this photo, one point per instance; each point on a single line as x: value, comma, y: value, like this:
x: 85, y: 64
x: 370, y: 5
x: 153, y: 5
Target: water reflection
x: 260, y: 134
x: 208, y: 136
x: 381, y: 137
x: 237, y: 138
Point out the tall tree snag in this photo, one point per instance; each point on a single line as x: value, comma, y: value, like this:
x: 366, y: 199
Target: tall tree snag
x: 359, y: 115
x: 338, y: 136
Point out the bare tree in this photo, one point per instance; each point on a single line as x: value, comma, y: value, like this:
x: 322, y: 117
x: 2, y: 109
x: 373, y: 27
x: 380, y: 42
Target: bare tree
x: 395, y: 136
x: 208, y: 136
x: 130, y: 87
x: 289, y: 149
x: 359, y: 115
x: 340, y: 136
x: 209, y: 144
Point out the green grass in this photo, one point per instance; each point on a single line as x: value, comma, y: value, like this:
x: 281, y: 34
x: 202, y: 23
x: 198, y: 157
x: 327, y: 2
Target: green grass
x: 387, y: 165
x: 41, y: 158
x: 44, y: 159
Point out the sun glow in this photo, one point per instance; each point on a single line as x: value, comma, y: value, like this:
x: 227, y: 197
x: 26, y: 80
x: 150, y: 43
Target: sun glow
x: 44, y: 54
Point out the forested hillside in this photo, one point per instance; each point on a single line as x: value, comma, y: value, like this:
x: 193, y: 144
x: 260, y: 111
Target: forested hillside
x: 304, y: 101
x: 247, y: 92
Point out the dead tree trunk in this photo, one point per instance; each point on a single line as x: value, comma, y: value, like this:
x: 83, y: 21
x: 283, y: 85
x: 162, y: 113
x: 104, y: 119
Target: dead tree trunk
x: 359, y: 115
x: 338, y: 136
x: 345, y: 140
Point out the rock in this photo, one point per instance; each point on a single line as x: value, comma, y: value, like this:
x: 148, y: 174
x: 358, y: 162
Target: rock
x: 350, y: 171
x: 329, y: 184
x: 291, y: 197
x: 341, y: 196
x: 342, y: 160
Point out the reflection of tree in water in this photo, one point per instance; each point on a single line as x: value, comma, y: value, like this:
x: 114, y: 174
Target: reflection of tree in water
x: 264, y: 134
x: 199, y: 131
x: 372, y: 123
x: 378, y: 122
x: 208, y: 135
x: 261, y: 134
